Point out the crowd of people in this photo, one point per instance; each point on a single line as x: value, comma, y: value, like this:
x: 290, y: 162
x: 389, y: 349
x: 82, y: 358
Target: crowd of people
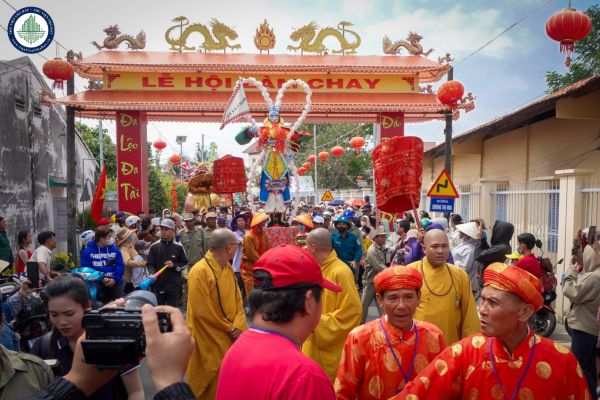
x: 292, y: 321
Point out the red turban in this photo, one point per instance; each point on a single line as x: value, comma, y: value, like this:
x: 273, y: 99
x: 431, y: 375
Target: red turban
x: 515, y: 280
x: 398, y: 277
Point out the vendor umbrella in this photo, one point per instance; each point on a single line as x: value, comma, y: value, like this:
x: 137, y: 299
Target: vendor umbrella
x: 356, y: 202
x: 336, y: 202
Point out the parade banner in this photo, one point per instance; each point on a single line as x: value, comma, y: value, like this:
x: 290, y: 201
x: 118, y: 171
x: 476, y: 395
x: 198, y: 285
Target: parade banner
x: 282, y: 235
x: 392, y: 125
x: 224, y: 82
x: 132, y: 158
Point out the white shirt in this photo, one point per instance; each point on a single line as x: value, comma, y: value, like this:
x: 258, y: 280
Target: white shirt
x: 42, y: 254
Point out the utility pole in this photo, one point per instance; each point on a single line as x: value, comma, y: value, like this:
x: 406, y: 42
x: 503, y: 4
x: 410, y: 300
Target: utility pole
x: 316, y: 162
x: 448, y: 133
x: 71, y: 187
x: 101, y: 142
x: 202, y: 152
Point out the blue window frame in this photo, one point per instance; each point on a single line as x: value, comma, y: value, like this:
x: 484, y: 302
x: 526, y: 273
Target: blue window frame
x: 553, y: 223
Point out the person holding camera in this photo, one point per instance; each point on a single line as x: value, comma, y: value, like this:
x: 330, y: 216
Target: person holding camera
x: 103, y: 255
x: 67, y: 299
x: 169, y: 284
x: 172, y: 349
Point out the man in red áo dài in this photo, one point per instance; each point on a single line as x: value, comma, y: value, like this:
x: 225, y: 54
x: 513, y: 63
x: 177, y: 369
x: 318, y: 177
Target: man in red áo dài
x: 381, y: 356
x: 506, y: 361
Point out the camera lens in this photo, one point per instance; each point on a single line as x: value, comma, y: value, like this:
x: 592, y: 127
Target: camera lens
x: 136, y: 299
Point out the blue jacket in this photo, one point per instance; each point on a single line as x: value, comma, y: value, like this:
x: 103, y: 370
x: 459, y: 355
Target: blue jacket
x: 99, y: 259
x: 347, y: 248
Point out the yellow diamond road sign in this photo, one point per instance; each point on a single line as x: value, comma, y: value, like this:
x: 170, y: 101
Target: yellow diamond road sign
x: 443, y: 186
x: 327, y: 196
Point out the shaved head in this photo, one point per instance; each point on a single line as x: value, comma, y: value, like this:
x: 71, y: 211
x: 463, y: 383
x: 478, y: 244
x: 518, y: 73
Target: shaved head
x: 435, y: 244
x: 220, y: 238
x: 321, y: 239
x: 435, y: 235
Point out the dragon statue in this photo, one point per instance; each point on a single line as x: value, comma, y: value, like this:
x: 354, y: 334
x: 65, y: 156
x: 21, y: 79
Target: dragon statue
x: 115, y: 38
x: 412, y: 44
x: 218, y: 40
x: 312, y: 42
x: 446, y: 59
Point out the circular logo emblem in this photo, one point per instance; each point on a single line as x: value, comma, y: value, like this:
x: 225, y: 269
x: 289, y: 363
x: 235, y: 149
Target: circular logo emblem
x: 30, y: 30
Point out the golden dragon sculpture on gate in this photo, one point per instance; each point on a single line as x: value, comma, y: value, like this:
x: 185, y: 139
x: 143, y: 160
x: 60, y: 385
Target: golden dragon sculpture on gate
x: 218, y: 40
x: 312, y: 42
x: 412, y: 44
x: 115, y: 38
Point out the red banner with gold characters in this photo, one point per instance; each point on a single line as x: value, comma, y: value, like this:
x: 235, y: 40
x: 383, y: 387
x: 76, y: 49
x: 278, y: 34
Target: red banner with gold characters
x: 279, y: 235
x: 132, y: 161
x: 392, y: 125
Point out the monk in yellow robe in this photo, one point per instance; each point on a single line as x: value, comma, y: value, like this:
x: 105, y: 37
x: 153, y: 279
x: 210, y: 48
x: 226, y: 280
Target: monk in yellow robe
x: 254, y: 244
x: 341, y: 311
x: 382, y: 356
x: 215, y: 314
x: 446, y: 296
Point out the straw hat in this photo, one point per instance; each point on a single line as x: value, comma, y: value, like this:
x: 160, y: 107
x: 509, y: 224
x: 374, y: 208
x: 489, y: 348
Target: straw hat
x: 122, y: 235
x: 304, y: 219
x: 469, y: 229
x: 258, y: 219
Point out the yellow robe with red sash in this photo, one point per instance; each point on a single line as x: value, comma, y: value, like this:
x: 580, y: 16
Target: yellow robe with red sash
x: 341, y: 313
x: 465, y: 371
x: 207, y: 324
x: 369, y: 371
x: 254, y: 244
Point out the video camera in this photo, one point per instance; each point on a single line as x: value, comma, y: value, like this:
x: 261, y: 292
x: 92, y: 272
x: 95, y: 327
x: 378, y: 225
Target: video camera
x: 114, y: 337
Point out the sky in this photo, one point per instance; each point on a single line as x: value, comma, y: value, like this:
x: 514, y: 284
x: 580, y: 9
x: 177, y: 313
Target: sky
x: 505, y: 75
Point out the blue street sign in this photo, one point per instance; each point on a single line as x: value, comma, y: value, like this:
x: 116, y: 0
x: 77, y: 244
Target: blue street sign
x: 441, y: 204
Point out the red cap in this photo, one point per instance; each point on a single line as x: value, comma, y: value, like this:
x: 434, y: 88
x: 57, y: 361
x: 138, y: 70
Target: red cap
x: 104, y: 221
x: 290, y: 266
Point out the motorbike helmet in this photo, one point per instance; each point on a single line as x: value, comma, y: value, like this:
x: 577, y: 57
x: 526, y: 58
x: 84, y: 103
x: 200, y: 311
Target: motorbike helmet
x: 86, y: 237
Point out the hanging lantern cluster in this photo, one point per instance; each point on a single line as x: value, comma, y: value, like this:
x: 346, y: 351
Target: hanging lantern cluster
x: 312, y: 159
x: 337, y: 151
x: 357, y: 143
x: 323, y: 156
x: 450, y: 93
x: 175, y: 159
x: 306, y: 166
x: 301, y: 171
x: 567, y: 27
x: 58, y: 70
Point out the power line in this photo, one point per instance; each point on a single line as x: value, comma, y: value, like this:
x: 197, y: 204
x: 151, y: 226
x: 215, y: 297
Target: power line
x: 504, y: 31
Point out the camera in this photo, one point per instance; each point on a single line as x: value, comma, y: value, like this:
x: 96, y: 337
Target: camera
x: 114, y: 337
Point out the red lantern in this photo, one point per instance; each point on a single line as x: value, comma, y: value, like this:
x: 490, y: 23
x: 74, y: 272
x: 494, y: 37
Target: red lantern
x: 450, y: 93
x: 357, y: 143
x: 59, y: 71
x: 301, y: 171
x: 175, y: 159
x: 306, y: 166
x: 312, y: 159
x: 337, y: 151
x: 159, y: 144
x: 567, y: 27
x: 323, y: 156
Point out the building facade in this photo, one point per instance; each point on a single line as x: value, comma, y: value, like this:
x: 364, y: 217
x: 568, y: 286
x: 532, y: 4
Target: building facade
x: 33, y: 165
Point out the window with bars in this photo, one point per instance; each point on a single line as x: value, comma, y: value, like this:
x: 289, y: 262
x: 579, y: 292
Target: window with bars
x: 553, y: 223
x: 501, y: 204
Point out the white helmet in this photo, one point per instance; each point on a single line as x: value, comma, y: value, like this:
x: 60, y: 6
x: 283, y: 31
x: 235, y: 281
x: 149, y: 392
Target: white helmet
x: 132, y: 220
x: 86, y: 237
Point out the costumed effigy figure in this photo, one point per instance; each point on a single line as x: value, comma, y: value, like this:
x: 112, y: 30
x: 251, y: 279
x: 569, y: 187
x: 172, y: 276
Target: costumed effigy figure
x: 200, y: 189
x: 278, y: 143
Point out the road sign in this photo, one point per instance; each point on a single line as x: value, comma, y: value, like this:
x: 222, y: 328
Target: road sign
x: 441, y: 204
x: 443, y: 186
x: 327, y: 196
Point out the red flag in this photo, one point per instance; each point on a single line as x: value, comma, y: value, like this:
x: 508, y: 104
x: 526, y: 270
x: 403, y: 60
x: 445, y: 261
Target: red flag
x: 98, y: 201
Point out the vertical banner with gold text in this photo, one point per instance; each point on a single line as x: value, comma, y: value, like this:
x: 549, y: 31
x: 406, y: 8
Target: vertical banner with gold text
x: 132, y: 161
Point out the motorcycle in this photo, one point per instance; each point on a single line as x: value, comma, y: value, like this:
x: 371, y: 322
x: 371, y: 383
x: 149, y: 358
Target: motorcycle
x: 90, y: 276
x: 544, y: 320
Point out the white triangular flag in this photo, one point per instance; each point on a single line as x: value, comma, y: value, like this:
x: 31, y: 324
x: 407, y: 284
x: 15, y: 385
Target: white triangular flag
x: 237, y: 106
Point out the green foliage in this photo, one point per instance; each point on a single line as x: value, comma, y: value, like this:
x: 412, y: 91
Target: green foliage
x: 337, y: 173
x: 159, y: 199
x: 91, y: 139
x: 84, y: 220
x: 585, y: 59
x: 182, y: 192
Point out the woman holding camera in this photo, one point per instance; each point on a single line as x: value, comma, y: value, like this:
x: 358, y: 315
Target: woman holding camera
x: 67, y: 300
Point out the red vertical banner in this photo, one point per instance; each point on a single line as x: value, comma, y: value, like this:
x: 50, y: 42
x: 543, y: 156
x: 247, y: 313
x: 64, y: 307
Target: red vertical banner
x: 392, y: 125
x: 132, y: 161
